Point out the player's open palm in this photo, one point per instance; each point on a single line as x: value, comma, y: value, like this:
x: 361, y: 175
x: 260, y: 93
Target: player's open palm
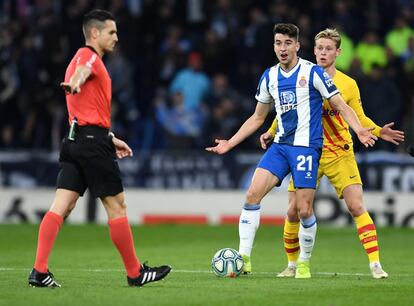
x: 390, y: 135
x: 265, y: 139
x: 222, y: 147
x: 366, y: 137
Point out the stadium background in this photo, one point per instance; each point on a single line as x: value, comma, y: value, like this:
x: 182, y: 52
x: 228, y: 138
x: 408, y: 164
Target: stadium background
x: 219, y: 48
x: 171, y: 179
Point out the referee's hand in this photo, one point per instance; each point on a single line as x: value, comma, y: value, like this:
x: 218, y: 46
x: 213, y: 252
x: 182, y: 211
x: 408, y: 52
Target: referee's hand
x: 122, y: 149
x: 69, y: 88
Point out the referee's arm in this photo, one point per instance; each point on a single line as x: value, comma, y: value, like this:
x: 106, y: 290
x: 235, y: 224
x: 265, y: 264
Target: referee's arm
x: 80, y: 76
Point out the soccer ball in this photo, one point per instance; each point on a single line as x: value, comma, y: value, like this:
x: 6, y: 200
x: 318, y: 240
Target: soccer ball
x: 227, y: 262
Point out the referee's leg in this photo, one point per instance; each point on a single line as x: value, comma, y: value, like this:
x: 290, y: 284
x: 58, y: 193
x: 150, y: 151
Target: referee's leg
x: 121, y: 235
x: 120, y: 232
x: 64, y: 202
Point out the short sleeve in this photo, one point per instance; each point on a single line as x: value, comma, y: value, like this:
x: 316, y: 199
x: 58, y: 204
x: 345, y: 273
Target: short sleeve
x: 262, y: 93
x: 323, y: 82
x: 86, y: 57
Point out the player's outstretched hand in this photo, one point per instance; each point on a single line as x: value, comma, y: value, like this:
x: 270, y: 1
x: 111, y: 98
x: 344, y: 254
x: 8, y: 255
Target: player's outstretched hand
x: 265, y: 139
x: 390, y: 135
x: 69, y: 88
x: 366, y: 137
x: 222, y: 147
x: 122, y: 149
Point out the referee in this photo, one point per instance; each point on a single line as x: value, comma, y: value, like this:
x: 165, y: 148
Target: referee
x: 88, y: 156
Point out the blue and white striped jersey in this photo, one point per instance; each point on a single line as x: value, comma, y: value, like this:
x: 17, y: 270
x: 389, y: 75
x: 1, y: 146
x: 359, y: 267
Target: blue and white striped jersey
x: 298, y: 97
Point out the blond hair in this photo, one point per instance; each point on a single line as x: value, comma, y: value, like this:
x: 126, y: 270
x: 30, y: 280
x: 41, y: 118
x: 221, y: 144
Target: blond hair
x: 332, y: 34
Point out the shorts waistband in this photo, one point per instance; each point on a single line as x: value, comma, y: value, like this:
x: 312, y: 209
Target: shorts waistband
x: 92, y: 130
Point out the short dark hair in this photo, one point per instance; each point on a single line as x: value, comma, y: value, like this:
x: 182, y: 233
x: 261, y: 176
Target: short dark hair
x: 288, y: 29
x: 95, y: 18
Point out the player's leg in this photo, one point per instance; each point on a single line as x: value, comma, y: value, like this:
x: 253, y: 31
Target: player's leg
x: 121, y: 235
x: 262, y: 182
x: 365, y: 227
x: 120, y: 232
x: 291, y: 234
x: 304, y: 163
x: 344, y: 175
x: 270, y: 168
x: 307, y: 230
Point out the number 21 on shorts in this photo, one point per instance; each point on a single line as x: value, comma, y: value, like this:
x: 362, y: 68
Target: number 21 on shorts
x: 304, y: 163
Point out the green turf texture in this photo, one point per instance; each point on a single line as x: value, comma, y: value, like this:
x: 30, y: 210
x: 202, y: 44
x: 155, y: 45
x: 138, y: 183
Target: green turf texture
x: 90, y: 270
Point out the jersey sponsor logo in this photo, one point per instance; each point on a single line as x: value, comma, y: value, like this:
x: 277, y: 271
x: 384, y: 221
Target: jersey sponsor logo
x: 286, y: 108
x: 287, y: 101
x: 287, y: 97
x: 330, y: 112
x: 328, y: 80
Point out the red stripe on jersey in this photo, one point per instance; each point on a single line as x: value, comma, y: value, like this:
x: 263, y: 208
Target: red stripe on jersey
x: 341, y: 122
x: 366, y: 228
x: 330, y: 140
x: 373, y: 249
x: 293, y: 250
x: 295, y: 240
x: 334, y: 130
x: 329, y: 149
x: 369, y: 239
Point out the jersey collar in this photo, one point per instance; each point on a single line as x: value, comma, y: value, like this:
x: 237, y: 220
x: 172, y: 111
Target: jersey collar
x: 91, y: 48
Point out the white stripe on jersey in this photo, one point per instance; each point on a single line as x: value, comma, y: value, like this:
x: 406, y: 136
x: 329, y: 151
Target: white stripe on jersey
x: 91, y: 61
x: 302, y: 133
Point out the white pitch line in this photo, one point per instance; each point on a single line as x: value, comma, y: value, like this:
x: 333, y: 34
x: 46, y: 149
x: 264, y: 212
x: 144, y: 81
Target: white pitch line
x: 5, y: 269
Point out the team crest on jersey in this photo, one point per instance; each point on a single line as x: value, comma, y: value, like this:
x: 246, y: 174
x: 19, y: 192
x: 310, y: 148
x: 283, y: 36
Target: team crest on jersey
x: 302, y: 81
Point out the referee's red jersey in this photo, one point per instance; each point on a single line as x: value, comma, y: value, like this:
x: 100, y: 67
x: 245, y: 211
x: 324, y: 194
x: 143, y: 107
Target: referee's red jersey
x: 92, y: 106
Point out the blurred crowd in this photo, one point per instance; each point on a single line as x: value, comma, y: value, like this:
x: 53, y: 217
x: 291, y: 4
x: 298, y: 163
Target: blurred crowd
x: 185, y: 71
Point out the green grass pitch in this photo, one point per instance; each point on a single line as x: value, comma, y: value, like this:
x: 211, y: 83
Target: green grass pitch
x: 90, y: 270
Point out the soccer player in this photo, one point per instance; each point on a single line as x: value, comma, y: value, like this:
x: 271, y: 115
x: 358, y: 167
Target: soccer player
x: 296, y: 88
x: 338, y: 159
x: 88, y: 156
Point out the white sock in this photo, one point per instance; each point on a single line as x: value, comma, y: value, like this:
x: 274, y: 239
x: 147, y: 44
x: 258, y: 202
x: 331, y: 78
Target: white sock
x: 248, y: 225
x: 307, y: 234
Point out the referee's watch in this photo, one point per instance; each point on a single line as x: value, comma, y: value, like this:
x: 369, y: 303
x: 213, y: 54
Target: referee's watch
x: 111, y: 135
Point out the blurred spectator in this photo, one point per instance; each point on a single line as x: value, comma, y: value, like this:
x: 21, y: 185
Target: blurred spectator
x: 370, y: 52
x: 192, y: 82
x: 183, y: 125
x: 223, y: 121
x: 382, y: 102
x: 397, y: 39
x: 173, y: 48
x: 344, y: 60
x: 9, y: 112
x: 217, y: 54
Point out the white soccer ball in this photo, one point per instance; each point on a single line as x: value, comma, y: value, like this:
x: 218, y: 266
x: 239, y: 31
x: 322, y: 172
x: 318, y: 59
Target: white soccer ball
x: 227, y: 262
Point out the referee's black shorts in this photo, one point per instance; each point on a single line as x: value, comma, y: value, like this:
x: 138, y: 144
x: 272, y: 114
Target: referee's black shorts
x: 89, y: 162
